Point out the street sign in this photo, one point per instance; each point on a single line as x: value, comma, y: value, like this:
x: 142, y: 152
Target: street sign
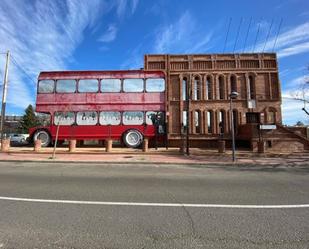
x: 268, y: 127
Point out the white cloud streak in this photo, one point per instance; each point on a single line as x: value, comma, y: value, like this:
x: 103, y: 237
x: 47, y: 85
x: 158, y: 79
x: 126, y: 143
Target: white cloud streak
x: 126, y: 6
x: 291, y: 42
x: 42, y: 36
x: 183, y: 36
x: 110, y: 34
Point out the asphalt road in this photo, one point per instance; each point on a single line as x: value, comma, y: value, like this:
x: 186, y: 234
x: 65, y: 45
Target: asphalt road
x: 30, y: 224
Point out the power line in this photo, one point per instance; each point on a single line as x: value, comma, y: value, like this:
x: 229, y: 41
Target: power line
x: 239, y: 26
x: 227, y: 34
x: 275, y: 43
x: 257, y: 34
x: 272, y: 21
x: 22, y: 69
x: 245, y: 44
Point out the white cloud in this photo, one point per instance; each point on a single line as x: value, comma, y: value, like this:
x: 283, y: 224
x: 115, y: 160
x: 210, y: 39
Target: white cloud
x: 183, y: 36
x: 291, y: 42
x: 292, y: 111
x: 110, y: 34
x: 125, y: 6
x: 42, y: 35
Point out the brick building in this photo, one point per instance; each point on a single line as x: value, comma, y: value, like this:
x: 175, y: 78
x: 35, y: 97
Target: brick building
x: 209, y: 79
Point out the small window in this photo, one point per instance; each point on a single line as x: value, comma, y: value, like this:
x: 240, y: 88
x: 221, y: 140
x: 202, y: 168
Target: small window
x: 184, y: 88
x: 155, y: 85
x: 184, y: 119
x: 209, y: 121
x: 133, y: 118
x: 197, y: 121
x: 209, y: 88
x: 89, y: 85
x: 110, y: 85
x: 151, y: 116
x: 46, y: 86
x: 87, y: 118
x: 110, y: 118
x: 64, y: 118
x: 66, y: 86
x: 133, y: 85
x: 221, y: 87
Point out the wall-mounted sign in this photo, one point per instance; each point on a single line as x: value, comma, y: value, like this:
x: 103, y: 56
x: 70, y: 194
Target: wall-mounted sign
x: 268, y: 127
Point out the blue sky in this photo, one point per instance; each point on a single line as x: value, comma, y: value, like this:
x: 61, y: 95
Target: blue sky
x: 47, y: 35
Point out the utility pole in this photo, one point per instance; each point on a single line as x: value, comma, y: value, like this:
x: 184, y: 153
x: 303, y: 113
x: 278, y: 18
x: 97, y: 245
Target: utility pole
x: 4, y: 93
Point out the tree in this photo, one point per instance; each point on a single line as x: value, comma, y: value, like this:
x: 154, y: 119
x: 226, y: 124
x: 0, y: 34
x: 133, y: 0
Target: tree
x: 299, y: 123
x: 28, y: 120
x: 302, y: 93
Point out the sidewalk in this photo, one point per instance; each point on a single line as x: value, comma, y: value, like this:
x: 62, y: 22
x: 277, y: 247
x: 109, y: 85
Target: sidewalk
x: 160, y: 156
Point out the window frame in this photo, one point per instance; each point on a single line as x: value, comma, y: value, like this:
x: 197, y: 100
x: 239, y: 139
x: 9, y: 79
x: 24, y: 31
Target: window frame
x: 98, y: 90
x: 145, y: 85
x: 123, y: 84
x: 122, y: 118
x: 76, y: 114
x: 54, y: 115
x: 100, y: 85
x: 120, y: 121
x: 56, y: 85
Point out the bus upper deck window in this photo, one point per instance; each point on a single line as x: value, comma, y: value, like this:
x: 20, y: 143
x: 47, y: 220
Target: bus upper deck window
x: 88, y: 85
x: 66, y: 86
x: 46, y: 86
x: 133, y: 85
x: 110, y: 85
x: 155, y: 85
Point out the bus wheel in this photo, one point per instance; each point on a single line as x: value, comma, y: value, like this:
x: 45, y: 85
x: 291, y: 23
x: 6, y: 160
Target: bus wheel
x: 43, y: 136
x: 132, y: 138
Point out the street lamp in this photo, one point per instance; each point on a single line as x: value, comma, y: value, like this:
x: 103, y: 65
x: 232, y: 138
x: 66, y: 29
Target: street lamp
x: 233, y: 95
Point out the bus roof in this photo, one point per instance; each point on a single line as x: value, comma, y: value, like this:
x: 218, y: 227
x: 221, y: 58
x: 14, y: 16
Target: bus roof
x: 100, y: 74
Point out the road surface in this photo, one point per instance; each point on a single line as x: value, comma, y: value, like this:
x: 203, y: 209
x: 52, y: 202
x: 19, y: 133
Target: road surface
x: 45, y: 205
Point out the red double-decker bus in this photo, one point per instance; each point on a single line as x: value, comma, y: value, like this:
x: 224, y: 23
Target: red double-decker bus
x: 96, y: 105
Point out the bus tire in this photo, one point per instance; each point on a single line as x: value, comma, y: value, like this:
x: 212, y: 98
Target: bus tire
x: 132, y: 138
x: 44, y: 136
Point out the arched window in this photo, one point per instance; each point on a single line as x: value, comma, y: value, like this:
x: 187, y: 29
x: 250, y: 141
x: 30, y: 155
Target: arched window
x: 184, y: 88
x: 209, y: 121
x: 233, y: 83
x: 208, y: 88
x: 197, y: 89
x: 221, y: 87
x: 197, y: 121
x: 251, y: 87
x: 221, y: 121
x: 271, y: 117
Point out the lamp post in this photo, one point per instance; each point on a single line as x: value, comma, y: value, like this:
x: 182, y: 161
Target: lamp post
x: 233, y: 95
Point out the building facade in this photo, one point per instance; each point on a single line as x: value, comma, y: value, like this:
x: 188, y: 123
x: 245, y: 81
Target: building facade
x: 201, y: 85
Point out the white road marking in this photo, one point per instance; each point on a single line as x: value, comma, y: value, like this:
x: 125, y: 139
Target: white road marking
x: 150, y: 204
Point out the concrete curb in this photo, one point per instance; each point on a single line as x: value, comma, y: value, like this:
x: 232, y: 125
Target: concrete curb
x: 205, y: 164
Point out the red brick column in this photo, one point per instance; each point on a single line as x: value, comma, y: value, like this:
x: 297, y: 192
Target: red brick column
x: 37, y: 145
x: 108, y: 145
x: 221, y: 146
x: 72, y: 145
x: 261, y: 147
x: 5, y: 145
x: 145, y: 145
